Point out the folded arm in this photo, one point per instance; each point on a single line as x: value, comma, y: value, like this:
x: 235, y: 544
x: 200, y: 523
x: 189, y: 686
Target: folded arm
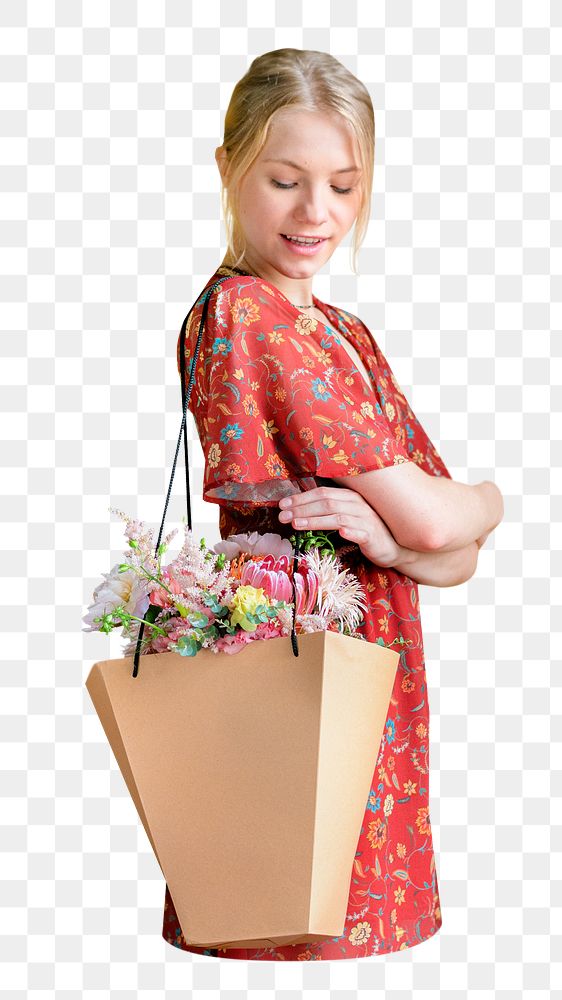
x: 438, y: 569
x: 428, y: 513
x: 438, y: 525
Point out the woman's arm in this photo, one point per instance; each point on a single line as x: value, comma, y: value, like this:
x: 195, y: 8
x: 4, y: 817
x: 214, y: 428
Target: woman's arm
x: 443, y: 568
x: 483, y: 510
x: 480, y: 541
x: 336, y: 507
x: 438, y: 569
x: 428, y: 513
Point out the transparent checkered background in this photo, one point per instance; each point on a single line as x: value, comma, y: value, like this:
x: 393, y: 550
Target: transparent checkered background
x: 110, y: 114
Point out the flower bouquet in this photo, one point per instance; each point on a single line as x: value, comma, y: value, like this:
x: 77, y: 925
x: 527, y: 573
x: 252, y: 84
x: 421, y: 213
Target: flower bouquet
x: 225, y: 597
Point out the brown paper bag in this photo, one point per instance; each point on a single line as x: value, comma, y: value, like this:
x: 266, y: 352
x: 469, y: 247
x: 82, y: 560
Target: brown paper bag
x: 251, y: 774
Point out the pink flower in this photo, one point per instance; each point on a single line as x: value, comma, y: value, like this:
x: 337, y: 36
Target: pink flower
x: 269, y: 630
x: 161, y: 643
x: 160, y: 597
x: 306, y: 586
x: 275, y: 576
x: 234, y: 643
x: 254, y: 544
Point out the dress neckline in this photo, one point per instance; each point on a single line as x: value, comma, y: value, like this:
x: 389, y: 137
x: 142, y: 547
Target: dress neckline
x: 323, y: 307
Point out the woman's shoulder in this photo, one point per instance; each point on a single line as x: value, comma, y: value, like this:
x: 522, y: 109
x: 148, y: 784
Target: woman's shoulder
x: 226, y: 278
x: 229, y: 309
x: 227, y: 282
x: 236, y: 298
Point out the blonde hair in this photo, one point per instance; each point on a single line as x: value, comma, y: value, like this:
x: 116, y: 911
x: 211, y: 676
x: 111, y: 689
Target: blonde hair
x: 299, y: 78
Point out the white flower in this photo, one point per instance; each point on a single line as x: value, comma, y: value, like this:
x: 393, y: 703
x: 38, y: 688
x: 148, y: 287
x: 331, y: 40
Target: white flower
x: 118, y: 590
x: 339, y: 591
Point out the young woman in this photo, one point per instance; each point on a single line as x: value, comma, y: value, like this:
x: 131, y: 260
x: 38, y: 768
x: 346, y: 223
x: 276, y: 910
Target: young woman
x: 303, y: 425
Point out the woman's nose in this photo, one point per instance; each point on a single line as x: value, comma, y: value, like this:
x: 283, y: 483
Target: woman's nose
x: 312, y: 209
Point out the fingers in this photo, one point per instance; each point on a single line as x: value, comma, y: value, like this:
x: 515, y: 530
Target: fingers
x: 320, y: 493
x: 324, y: 500
x: 340, y: 521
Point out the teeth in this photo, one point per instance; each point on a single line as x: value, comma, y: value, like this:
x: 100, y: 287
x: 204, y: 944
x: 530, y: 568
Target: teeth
x: 299, y: 239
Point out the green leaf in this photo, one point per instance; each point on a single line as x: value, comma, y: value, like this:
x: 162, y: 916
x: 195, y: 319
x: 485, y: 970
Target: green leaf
x: 186, y: 646
x: 221, y: 611
x: 197, y: 619
x: 152, y: 613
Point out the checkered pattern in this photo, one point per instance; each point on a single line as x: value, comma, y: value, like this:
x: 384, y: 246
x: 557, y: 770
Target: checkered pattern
x: 111, y: 225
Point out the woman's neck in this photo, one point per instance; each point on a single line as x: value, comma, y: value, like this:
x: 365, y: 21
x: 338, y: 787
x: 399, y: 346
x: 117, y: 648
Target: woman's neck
x: 300, y: 299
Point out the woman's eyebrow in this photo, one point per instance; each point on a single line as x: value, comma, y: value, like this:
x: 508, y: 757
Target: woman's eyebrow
x: 289, y: 163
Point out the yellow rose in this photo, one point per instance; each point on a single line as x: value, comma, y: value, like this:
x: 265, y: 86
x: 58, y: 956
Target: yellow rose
x: 246, y: 600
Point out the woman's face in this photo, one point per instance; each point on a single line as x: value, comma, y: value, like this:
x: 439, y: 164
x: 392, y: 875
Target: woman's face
x: 317, y: 195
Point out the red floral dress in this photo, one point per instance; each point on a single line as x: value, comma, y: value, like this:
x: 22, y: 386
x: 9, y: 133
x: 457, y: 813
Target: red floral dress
x: 280, y: 406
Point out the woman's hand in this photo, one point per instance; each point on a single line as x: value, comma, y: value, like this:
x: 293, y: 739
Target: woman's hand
x: 346, y: 511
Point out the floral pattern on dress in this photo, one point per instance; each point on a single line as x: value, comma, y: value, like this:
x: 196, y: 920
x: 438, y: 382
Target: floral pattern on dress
x: 280, y: 406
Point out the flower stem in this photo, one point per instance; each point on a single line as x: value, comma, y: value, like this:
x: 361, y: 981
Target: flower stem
x: 124, y: 618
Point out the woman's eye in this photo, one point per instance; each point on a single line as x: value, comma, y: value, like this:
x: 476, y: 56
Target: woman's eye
x: 287, y: 187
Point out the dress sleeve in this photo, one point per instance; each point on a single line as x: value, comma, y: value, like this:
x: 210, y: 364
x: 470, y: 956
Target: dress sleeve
x: 396, y: 406
x: 273, y: 409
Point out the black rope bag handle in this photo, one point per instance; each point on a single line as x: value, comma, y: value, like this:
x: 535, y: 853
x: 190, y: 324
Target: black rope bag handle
x: 185, y: 400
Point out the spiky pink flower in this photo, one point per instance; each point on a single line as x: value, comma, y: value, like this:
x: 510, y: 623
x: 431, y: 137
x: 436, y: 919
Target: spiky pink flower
x: 275, y: 576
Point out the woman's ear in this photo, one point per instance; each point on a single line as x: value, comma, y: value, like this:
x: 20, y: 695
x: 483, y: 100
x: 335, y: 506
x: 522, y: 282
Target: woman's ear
x: 222, y: 164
